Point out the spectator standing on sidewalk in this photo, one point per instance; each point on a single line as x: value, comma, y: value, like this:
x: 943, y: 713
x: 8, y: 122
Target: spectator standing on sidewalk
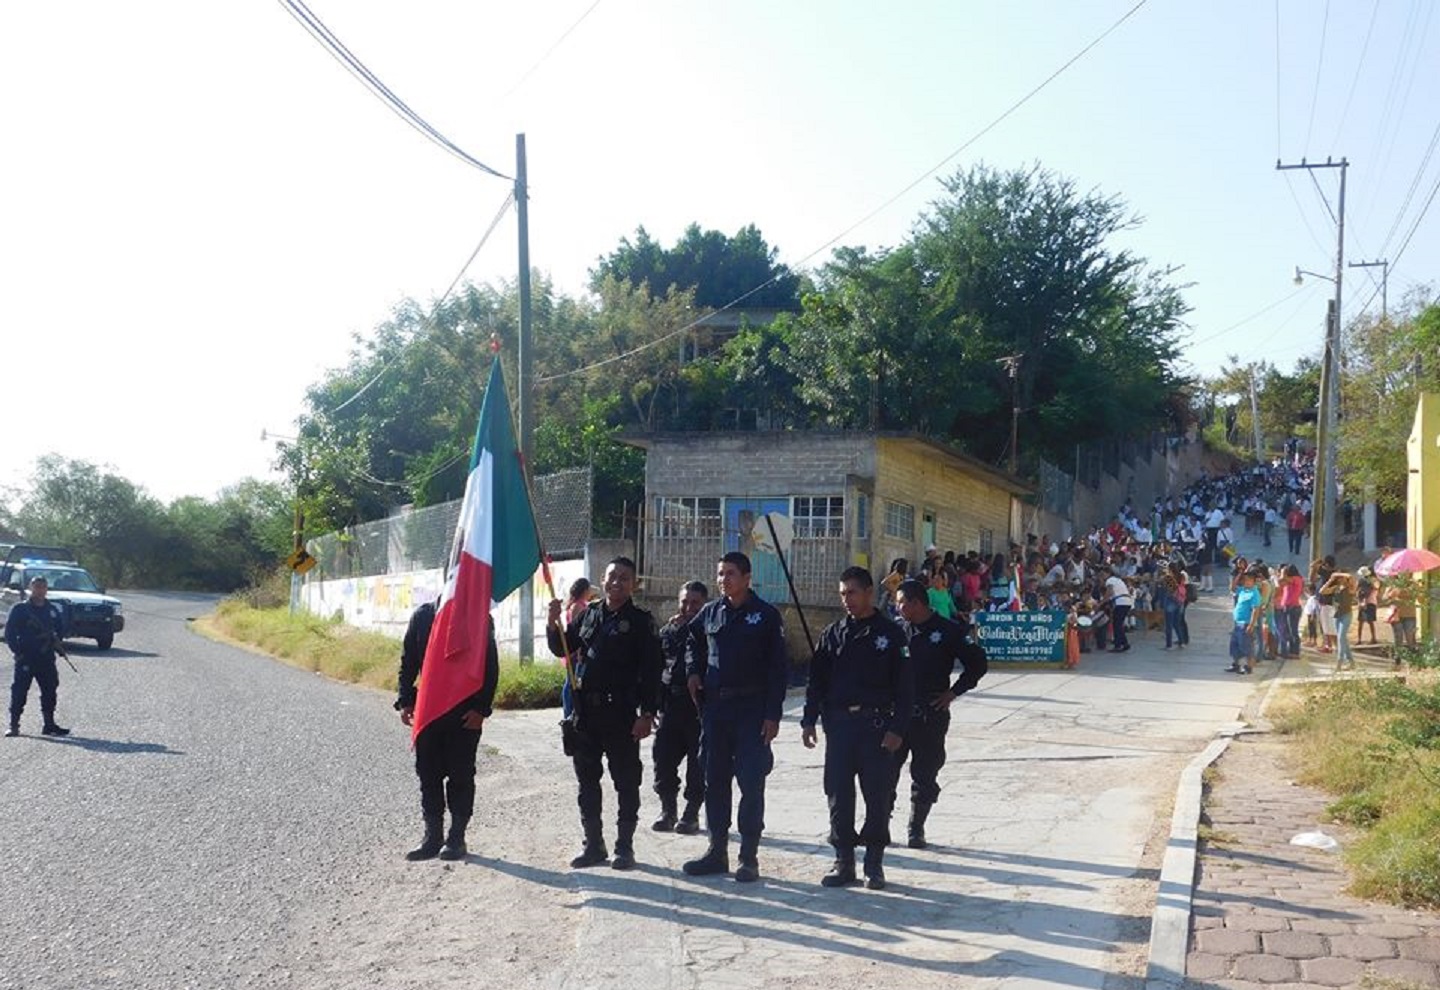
x: 1288, y: 606
x: 1340, y: 586
x: 1320, y: 572
x: 1242, y: 635
x: 1367, y: 602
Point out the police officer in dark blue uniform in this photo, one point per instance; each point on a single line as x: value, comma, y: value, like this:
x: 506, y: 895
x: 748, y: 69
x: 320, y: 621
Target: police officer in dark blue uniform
x: 862, y: 687
x: 737, y: 665
x: 617, y: 693
x: 677, y: 740
x: 936, y: 645
x: 445, y: 750
x: 32, y: 631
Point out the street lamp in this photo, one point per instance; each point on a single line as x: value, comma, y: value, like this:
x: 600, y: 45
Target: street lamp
x: 1300, y: 274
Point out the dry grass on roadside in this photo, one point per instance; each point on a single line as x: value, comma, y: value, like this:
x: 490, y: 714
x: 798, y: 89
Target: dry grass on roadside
x: 359, y: 657
x: 1375, y: 745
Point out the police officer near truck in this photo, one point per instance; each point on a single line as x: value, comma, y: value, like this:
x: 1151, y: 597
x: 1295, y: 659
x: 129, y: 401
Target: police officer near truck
x: 936, y: 645
x: 445, y: 751
x: 677, y: 739
x: 863, y: 690
x: 32, y: 631
x: 737, y: 672
x: 616, y: 694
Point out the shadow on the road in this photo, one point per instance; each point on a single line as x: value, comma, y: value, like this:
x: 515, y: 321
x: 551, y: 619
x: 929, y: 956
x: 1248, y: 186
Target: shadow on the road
x: 1030, y: 861
x: 114, y: 653
x: 111, y: 745
x: 847, y: 922
x: 983, y: 695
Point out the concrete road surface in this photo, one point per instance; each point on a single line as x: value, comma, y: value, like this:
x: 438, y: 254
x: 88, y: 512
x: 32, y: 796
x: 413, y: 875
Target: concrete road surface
x: 220, y: 820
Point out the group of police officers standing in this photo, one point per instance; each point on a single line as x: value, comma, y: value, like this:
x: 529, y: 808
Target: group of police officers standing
x: 714, y: 679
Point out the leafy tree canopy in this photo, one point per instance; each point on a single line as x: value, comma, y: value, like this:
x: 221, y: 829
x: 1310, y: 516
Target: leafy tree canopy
x: 720, y: 269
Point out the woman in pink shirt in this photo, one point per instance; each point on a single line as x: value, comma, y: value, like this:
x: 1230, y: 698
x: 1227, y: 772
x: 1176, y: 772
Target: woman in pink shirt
x: 1288, y: 602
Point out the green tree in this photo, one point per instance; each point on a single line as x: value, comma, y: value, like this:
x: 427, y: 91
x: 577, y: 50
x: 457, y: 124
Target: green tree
x: 1388, y: 364
x: 720, y: 269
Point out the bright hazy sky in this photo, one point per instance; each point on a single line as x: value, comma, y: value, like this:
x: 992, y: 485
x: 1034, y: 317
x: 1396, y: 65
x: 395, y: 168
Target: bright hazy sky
x: 200, y: 206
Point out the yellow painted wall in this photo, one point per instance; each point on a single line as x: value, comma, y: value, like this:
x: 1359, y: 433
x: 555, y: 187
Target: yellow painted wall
x: 913, y: 474
x: 1423, y: 495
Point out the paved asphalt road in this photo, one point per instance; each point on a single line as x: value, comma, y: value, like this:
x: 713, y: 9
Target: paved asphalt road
x: 219, y: 820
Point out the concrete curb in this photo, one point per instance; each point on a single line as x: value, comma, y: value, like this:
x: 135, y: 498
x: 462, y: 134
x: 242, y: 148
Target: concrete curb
x: 1170, y: 926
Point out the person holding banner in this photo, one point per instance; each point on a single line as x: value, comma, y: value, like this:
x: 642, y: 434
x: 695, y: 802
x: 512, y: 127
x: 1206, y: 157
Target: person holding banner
x: 737, y: 671
x: 445, y: 748
x: 617, y: 693
x: 862, y: 686
x: 936, y: 644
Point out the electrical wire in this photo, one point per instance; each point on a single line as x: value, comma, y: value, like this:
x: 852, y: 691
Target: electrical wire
x: 1252, y: 317
x: 873, y: 213
x: 1319, y: 67
x: 1359, y: 65
x: 455, y: 282
x: 337, y: 50
x: 1321, y: 193
x: 1414, y: 185
x: 550, y: 51
x: 1304, y: 217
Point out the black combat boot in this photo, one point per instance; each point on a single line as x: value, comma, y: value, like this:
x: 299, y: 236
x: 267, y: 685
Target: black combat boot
x: 715, y: 860
x: 842, y: 874
x: 689, y: 822
x: 624, y: 847
x: 749, y: 869
x: 594, y: 853
x: 14, y: 729
x: 430, y: 845
x: 666, y: 821
x: 455, y: 841
x: 918, y: 813
x: 52, y: 729
x: 874, y: 867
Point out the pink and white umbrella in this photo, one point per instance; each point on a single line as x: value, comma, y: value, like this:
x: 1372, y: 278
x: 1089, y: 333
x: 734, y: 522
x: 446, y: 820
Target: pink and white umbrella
x: 1408, y: 562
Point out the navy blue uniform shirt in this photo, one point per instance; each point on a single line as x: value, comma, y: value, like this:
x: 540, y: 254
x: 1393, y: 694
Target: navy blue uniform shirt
x: 739, y: 651
x: 864, y: 663
x: 33, y: 631
x: 618, y: 653
x: 935, y: 645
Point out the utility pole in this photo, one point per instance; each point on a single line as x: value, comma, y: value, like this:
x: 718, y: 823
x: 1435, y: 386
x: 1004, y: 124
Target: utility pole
x: 1322, y: 536
x: 1012, y: 367
x: 1370, y: 514
x: 1255, y: 418
x: 526, y: 384
x: 1384, y: 266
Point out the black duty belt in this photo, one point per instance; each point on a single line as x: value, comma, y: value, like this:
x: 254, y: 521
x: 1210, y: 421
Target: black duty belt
x: 603, y: 699
x: 875, y: 711
x: 732, y: 693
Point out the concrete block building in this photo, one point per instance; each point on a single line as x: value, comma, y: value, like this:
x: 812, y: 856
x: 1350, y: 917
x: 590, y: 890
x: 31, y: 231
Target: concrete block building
x: 830, y: 499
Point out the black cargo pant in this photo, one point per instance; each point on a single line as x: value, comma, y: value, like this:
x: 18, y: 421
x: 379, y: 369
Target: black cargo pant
x: 42, y: 671
x: 853, y: 750
x: 676, y: 741
x: 925, y: 746
x: 445, y: 764
x: 604, y: 737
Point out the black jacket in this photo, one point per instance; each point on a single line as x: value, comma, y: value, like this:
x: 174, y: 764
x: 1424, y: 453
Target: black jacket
x: 862, y: 663
x: 739, y: 652
x: 412, y: 658
x: 935, y: 645
x: 617, y: 653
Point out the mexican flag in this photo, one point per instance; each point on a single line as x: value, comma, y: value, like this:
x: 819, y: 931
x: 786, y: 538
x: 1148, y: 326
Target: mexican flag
x: 495, y: 551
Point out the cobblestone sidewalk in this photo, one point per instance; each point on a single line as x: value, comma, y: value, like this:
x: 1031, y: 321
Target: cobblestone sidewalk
x: 1269, y: 914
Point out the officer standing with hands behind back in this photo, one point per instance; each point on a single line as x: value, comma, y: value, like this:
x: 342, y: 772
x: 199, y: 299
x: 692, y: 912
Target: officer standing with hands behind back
x: 862, y: 686
x: 617, y: 693
x: 936, y: 644
x: 738, y: 668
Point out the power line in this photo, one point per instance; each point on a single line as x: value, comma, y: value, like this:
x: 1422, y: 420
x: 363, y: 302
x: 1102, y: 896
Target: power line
x: 1319, y: 65
x: 1416, y: 225
x: 1252, y: 317
x: 1359, y: 64
x: 1321, y: 193
x: 332, y: 44
x: 1414, y: 184
x: 456, y: 281
x: 873, y: 213
x: 550, y: 51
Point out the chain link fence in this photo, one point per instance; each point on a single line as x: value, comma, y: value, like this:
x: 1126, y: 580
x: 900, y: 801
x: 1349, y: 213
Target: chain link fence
x: 420, y: 539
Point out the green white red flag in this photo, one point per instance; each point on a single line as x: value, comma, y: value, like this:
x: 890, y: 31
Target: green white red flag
x: 496, y: 549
